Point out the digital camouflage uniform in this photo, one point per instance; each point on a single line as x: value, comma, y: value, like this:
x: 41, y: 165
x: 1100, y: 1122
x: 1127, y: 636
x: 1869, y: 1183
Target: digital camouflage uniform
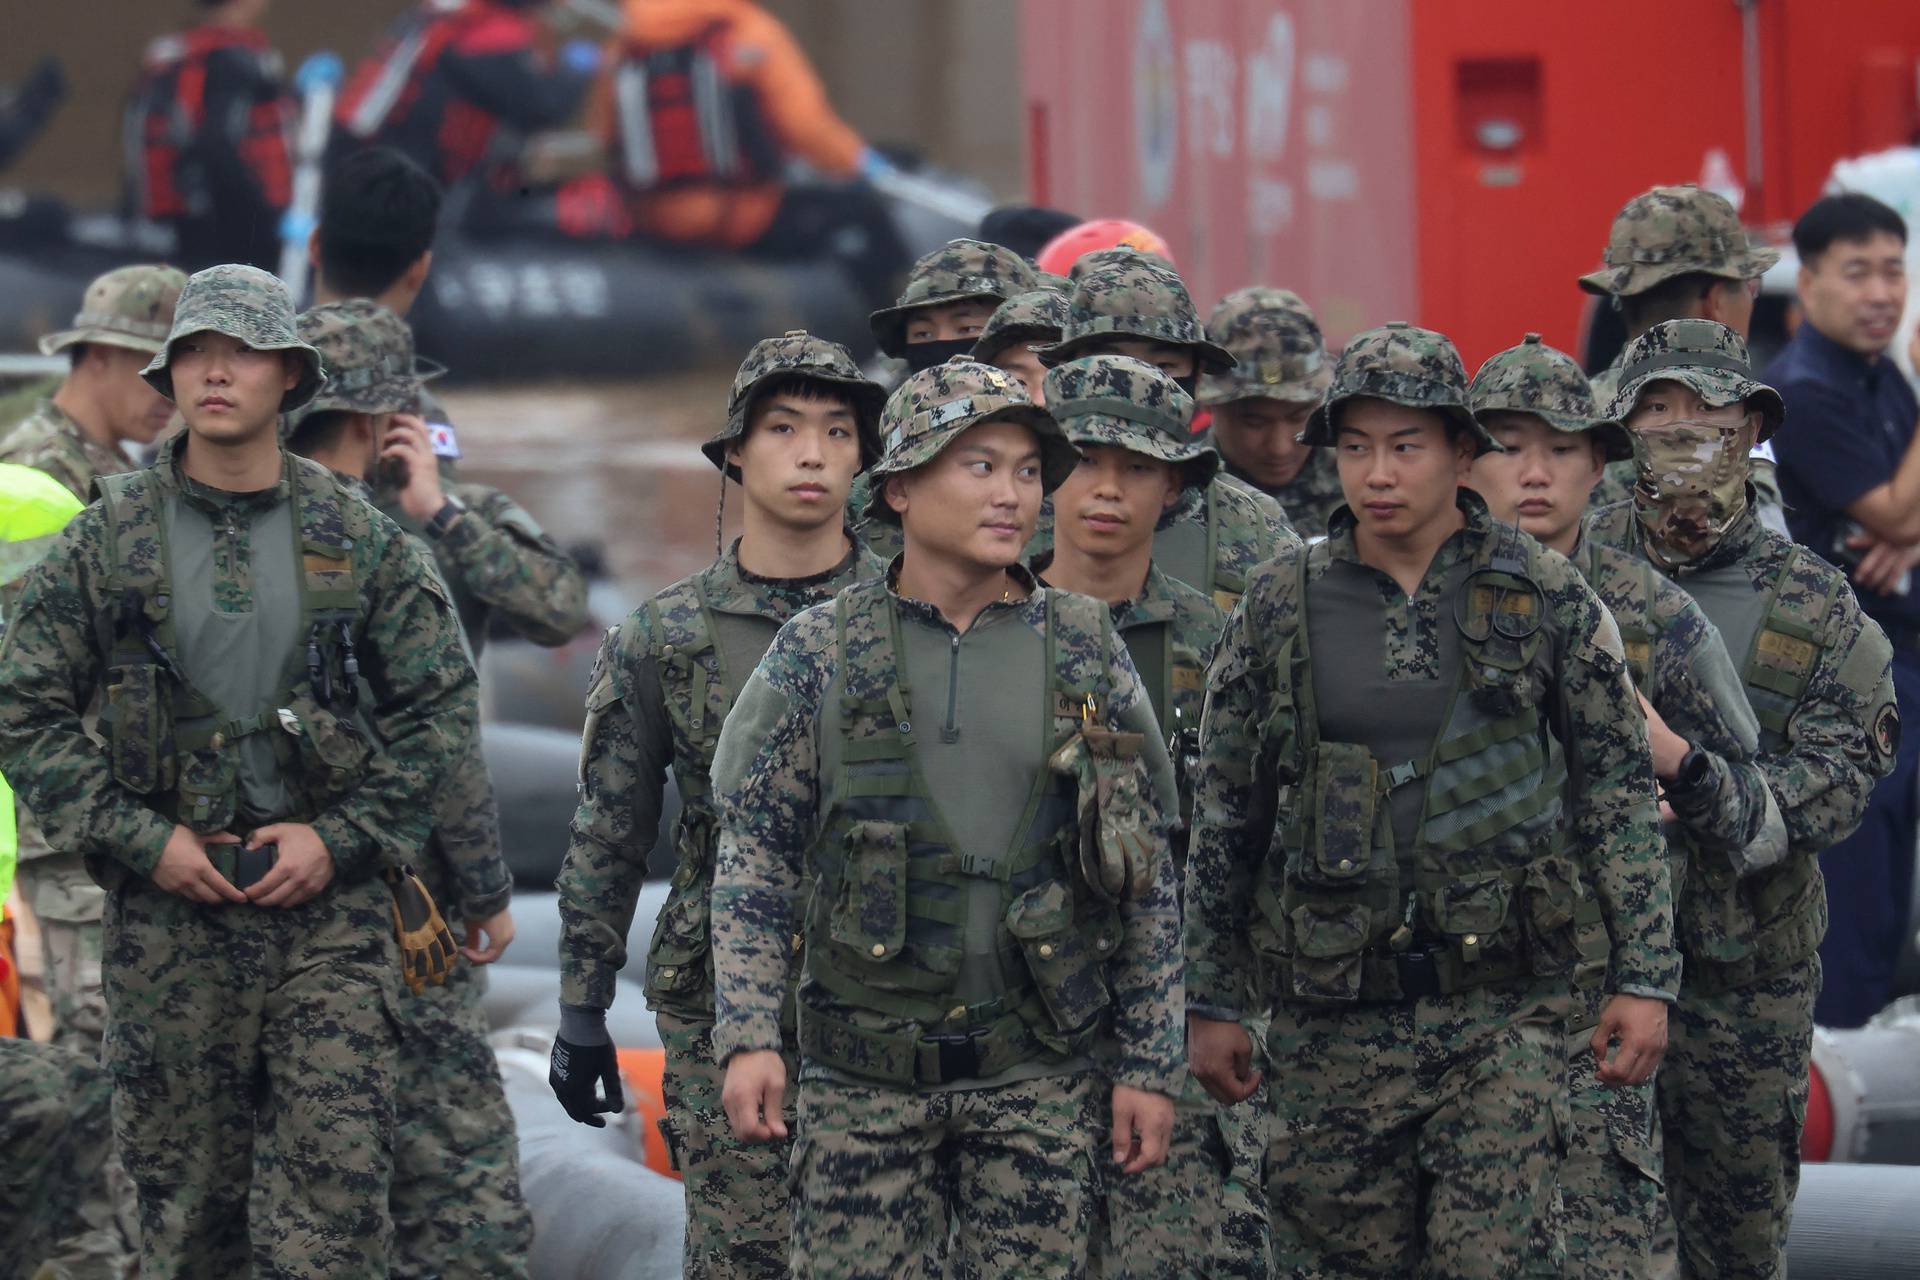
x: 252, y: 1049
x: 1659, y: 234
x: 959, y: 271
x: 1203, y: 1212
x: 1608, y: 1195
x: 130, y: 307
x: 662, y: 686
x: 1283, y: 357
x: 1732, y: 1090
x: 1414, y: 942
x: 56, y: 1130
x: 455, y: 1195
x: 1216, y: 537
x: 966, y: 953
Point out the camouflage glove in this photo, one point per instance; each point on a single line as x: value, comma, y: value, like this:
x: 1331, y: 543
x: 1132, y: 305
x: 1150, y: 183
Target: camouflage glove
x: 583, y: 1057
x: 1116, y: 829
x: 427, y: 948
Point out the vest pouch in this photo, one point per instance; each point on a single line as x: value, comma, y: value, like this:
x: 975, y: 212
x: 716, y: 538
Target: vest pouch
x: 333, y: 751
x: 138, y: 718
x: 1346, y: 793
x: 1067, y: 963
x: 1780, y: 893
x: 208, y: 790
x: 870, y: 915
x: 1329, y: 944
x: 1117, y: 843
x: 1549, y: 896
x: 677, y: 956
x: 1473, y: 913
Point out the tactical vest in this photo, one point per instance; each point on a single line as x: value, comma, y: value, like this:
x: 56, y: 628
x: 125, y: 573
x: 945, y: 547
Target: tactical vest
x: 699, y: 692
x: 886, y: 923
x: 1734, y: 929
x: 169, y: 107
x: 684, y: 120
x: 172, y: 744
x: 1494, y: 890
x: 1625, y: 585
x: 394, y: 92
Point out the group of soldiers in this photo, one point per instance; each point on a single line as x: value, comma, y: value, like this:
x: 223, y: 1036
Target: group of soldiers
x: 1317, y: 847
x: 1400, y: 874
x: 229, y: 685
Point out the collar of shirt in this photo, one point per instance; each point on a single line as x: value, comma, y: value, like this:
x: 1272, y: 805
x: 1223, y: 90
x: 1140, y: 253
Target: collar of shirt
x: 1459, y: 546
x: 921, y: 611
x: 1847, y: 367
x: 218, y: 502
x: 730, y: 588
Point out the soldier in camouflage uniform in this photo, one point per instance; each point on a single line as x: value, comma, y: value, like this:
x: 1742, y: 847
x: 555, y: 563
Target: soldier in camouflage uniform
x: 1016, y: 328
x: 1129, y: 303
x: 950, y: 295
x: 1676, y: 253
x: 992, y: 891
x: 1419, y: 741
x: 801, y: 423
x: 222, y: 601
x: 1202, y: 1213
x: 75, y: 435
x: 455, y: 1196
x: 375, y: 241
x: 1537, y: 404
x: 56, y: 1132
x: 1261, y: 404
x: 1816, y: 671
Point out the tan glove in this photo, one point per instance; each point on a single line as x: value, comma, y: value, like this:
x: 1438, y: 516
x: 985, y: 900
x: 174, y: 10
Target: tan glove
x: 427, y: 948
x: 1116, y: 827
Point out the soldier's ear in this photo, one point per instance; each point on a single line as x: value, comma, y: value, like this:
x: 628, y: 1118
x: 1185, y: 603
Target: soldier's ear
x: 894, y: 490
x: 292, y: 369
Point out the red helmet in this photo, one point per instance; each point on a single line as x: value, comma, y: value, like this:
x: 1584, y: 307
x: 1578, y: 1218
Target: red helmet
x: 1061, y: 252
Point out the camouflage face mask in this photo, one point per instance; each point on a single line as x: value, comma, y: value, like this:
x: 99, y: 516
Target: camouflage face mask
x: 1692, y: 487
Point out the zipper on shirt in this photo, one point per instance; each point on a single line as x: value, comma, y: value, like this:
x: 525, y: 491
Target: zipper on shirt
x: 951, y: 733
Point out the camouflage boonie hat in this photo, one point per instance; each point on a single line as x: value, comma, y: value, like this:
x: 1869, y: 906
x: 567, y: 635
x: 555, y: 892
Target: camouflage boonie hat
x: 1704, y: 355
x: 1034, y: 317
x: 131, y: 307
x: 930, y: 410
x: 1282, y: 353
x: 244, y: 303
x: 1128, y: 403
x: 1671, y: 231
x: 958, y: 271
x: 1124, y: 293
x: 368, y: 351
x: 1405, y: 365
x: 1547, y: 383
x: 798, y: 353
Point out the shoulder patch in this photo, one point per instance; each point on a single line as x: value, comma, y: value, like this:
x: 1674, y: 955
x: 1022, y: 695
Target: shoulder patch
x: 1886, y: 730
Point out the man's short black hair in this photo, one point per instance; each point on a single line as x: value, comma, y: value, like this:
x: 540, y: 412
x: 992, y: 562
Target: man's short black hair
x: 1676, y: 298
x: 319, y: 431
x: 1850, y: 216
x: 798, y: 386
x: 1025, y: 228
x: 378, y: 213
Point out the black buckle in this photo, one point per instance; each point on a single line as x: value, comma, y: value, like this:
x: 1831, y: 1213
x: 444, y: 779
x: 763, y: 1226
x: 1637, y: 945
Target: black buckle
x: 1419, y: 972
x: 959, y: 1056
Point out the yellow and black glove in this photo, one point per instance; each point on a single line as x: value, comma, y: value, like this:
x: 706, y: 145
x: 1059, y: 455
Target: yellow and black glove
x: 427, y: 949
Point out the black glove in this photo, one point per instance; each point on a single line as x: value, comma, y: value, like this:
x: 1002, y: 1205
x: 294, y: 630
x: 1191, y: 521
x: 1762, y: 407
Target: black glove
x: 583, y: 1056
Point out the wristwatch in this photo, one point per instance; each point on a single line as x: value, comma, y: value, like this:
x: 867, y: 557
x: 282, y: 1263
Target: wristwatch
x: 1695, y: 768
x: 450, y: 510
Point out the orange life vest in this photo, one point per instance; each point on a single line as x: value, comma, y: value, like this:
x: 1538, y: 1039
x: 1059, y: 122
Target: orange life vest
x: 170, y: 105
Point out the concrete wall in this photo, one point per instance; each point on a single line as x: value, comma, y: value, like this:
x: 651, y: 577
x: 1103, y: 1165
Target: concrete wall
x: 941, y: 75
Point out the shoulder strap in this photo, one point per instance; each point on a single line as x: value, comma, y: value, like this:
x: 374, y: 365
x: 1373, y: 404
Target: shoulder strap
x: 686, y: 655
x: 137, y: 560
x: 1078, y: 690
x: 328, y: 524
x: 1787, y: 647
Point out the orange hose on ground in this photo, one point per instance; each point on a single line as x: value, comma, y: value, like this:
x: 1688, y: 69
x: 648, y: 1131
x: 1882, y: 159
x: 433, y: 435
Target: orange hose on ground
x: 643, y: 1069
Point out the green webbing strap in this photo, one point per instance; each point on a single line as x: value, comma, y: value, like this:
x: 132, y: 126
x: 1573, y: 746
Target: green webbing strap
x: 906, y: 1060
x: 1485, y: 784
x: 894, y: 784
x: 1784, y: 617
x: 1525, y: 809
x: 192, y: 739
x: 1473, y: 743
